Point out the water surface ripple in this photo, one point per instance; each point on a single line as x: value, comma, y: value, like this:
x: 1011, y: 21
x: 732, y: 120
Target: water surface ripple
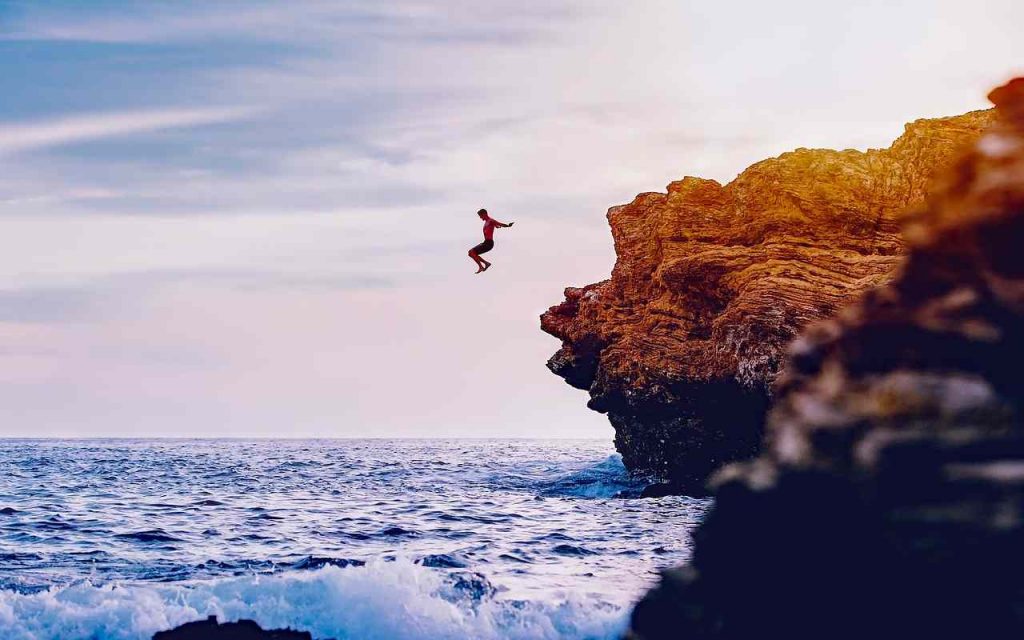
x: 492, y: 538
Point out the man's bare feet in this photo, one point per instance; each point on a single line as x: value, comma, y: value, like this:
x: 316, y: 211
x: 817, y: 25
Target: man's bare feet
x: 487, y: 265
x: 481, y: 268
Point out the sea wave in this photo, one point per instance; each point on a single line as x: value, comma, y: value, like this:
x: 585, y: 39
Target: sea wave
x: 394, y: 600
x: 493, y: 539
x: 606, y: 479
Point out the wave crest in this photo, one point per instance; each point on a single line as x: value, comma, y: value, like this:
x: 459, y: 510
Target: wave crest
x: 380, y: 600
x: 606, y: 479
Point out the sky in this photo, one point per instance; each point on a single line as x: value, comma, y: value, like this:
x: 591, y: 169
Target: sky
x: 250, y: 218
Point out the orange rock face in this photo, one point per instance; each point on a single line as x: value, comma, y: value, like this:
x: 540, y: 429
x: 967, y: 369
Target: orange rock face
x: 681, y: 346
x: 888, y: 500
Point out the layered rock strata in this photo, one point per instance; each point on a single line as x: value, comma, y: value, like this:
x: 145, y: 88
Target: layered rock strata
x: 889, y: 499
x: 681, y: 346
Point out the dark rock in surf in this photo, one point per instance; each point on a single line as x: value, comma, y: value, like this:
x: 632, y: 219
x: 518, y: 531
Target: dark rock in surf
x: 658, y: 490
x: 210, y: 629
x: 889, y: 499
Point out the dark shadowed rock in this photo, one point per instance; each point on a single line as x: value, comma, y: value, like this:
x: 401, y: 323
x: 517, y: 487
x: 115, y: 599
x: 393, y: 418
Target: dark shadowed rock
x: 889, y: 499
x: 210, y: 629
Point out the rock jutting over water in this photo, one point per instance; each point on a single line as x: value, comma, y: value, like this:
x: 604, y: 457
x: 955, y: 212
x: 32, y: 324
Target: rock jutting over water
x: 889, y: 498
x: 681, y: 346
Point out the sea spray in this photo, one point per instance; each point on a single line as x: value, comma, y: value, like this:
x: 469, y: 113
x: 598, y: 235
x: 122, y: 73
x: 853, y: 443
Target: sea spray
x: 345, y: 538
x: 387, y: 600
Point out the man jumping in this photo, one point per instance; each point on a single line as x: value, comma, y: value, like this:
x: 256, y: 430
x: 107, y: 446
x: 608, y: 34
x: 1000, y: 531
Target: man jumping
x: 488, y: 243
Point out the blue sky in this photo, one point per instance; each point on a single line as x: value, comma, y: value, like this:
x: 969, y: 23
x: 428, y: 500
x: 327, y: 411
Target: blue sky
x: 250, y: 218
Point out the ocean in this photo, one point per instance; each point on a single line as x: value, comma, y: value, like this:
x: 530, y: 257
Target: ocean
x: 360, y: 539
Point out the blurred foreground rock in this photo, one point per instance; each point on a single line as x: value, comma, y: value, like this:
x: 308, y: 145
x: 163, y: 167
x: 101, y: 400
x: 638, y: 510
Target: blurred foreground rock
x: 889, y: 499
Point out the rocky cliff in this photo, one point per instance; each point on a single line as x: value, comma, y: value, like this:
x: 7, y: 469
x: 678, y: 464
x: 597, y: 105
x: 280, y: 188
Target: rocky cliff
x: 889, y: 499
x: 681, y: 346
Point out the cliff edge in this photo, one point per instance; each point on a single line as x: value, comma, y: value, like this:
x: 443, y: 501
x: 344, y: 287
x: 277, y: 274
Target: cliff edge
x: 680, y: 347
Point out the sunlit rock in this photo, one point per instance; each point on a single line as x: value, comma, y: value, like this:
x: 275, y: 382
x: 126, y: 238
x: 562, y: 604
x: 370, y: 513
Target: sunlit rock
x: 682, y: 345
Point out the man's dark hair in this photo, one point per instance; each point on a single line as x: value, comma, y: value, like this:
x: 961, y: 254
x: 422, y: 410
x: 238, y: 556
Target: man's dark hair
x: 481, y: 212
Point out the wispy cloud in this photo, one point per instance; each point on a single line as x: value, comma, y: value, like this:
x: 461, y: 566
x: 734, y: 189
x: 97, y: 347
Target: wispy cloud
x: 26, y: 136
x: 44, y: 305
x: 191, y: 273
x: 310, y: 22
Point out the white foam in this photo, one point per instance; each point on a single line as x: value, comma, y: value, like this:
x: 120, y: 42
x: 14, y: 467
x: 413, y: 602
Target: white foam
x: 394, y: 600
x: 605, y: 479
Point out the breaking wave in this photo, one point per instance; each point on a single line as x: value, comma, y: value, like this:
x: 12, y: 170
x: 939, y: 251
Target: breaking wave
x: 606, y: 479
x: 393, y: 600
x: 346, y: 539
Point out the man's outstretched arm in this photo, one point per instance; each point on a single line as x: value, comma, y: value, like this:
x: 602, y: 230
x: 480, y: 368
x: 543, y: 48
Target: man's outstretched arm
x: 502, y: 224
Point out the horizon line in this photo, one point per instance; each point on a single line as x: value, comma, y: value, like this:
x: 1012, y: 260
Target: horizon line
x: 185, y: 438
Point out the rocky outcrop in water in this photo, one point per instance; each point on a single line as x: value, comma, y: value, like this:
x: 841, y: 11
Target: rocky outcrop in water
x: 681, y: 346
x: 210, y: 629
x: 889, y: 499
